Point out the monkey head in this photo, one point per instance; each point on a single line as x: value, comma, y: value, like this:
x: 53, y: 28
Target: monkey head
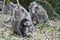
x: 25, y: 23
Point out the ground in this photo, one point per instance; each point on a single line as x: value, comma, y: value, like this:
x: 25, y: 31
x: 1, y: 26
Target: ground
x: 43, y: 33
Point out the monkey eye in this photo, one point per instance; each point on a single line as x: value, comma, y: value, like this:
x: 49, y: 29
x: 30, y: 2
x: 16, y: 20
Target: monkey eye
x: 22, y: 10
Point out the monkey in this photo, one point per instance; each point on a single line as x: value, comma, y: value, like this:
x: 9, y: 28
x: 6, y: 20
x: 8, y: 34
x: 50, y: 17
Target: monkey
x: 25, y: 25
x: 20, y: 16
x: 22, y: 28
x: 23, y: 18
x: 39, y: 12
x: 33, y: 15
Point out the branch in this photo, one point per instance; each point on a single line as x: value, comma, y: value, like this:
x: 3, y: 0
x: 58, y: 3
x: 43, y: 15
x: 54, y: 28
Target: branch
x: 18, y: 3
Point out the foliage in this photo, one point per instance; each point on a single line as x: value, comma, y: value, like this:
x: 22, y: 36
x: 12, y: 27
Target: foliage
x: 7, y: 1
x: 53, y: 9
x: 55, y: 5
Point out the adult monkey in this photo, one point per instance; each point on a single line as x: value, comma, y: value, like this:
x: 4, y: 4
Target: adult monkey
x: 38, y: 14
x: 22, y: 20
x: 18, y: 14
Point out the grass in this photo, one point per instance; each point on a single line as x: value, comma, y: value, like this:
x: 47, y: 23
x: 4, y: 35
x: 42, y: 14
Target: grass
x: 6, y: 33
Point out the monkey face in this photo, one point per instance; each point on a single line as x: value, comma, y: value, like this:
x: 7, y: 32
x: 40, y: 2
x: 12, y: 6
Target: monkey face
x: 16, y: 14
x: 34, y: 20
x: 27, y: 23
